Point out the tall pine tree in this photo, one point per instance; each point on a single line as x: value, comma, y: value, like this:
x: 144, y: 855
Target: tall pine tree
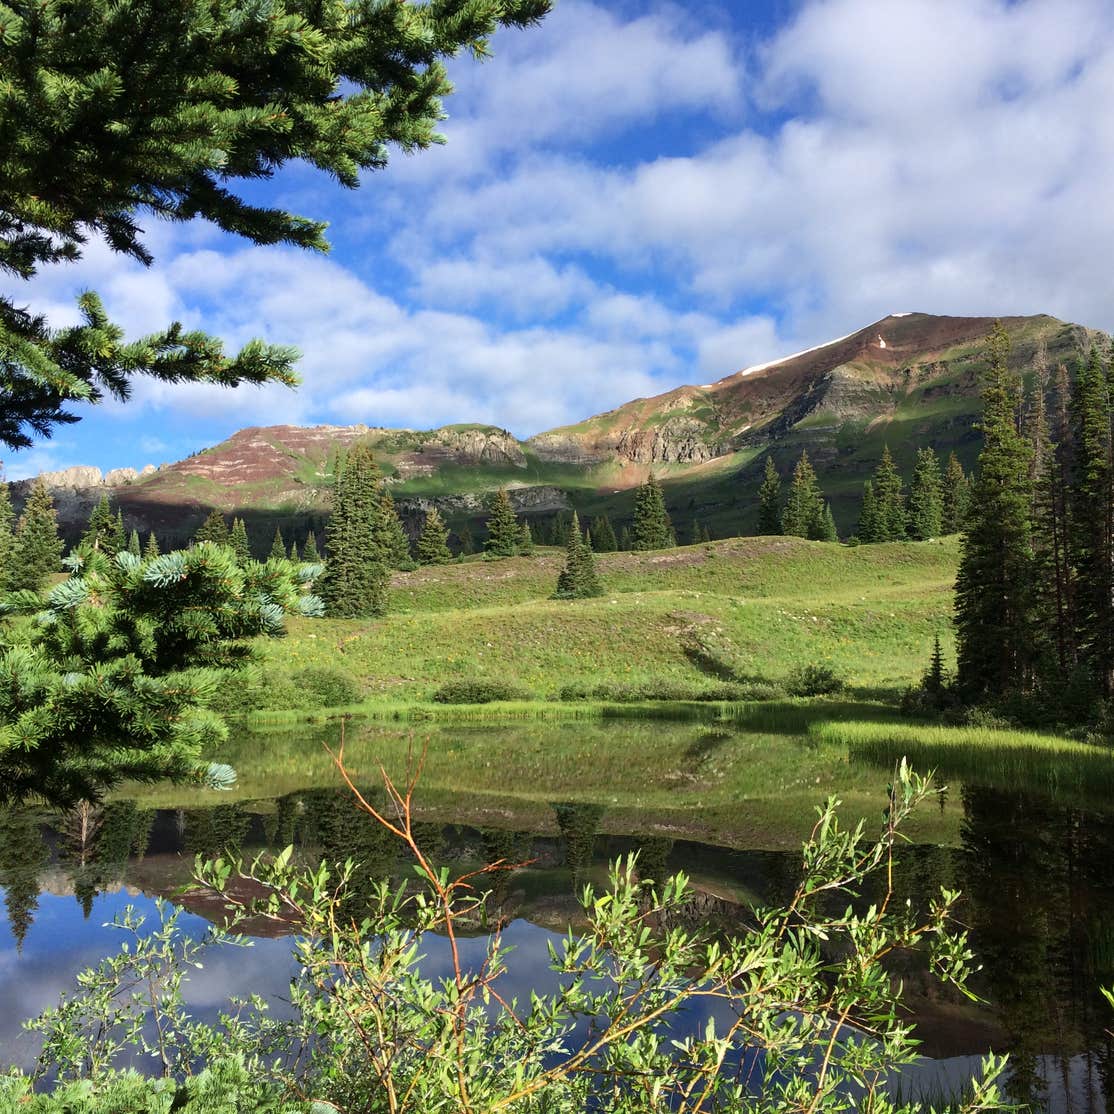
x: 390, y: 534
x: 278, y: 546
x: 954, y: 497
x: 651, y: 528
x: 804, y: 508
x: 868, y: 515
x: 889, y: 497
x: 238, y: 541
x: 151, y: 549
x: 213, y: 529
x: 355, y: 580
x: 7, y: 534
x: 603, y: 535
x: 769, y: 501
x: 433, y: 546
x: 502, y: 527
x: 37, y: 551
x: 926, y: 497
x: 102, y: 533
x: 993, y: 592
x: 578, y: 579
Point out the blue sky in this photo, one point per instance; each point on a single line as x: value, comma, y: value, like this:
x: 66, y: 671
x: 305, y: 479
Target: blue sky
x: 635, y: 195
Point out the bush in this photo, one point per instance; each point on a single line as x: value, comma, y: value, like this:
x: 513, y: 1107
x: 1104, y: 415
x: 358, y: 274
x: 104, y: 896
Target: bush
x: 479, y: 690
x: 814, y: 680
x: 325, y: 688
x: 618, y: 692
x: 255, y: 690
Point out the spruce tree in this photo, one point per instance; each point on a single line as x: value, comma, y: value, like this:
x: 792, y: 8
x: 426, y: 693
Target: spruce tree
x: 7, y: 534
x: 603, y: 535
x: 804, y: 509
x: 467, y: 541
x: 651, y: 528
x: 561, y: 528
x: 151, y: 549
x: 355, y: 580
x: 825, y: 528
x: 868, y: 516
x: 310, y: 554
x: 213, y: 529
x: 37, y: 551
x: 238, y: 541
x: 626, y: 539
x: 101, y: 532
x: 954, y: 497
x: 390, y: 534
x: 433, y: 546
x: 525, y: 540
x: 502, y: 527
x: 1092, y: 532
x: 23, y: 857
x: 769, y: 501
x: 120, y: 536
x: 993, y: 592
x: 926, y: 503
x: 890, y: 500
x: 116, y: 112
x: 133, y: 544
x: 578, y: 579
x: 278, y: 546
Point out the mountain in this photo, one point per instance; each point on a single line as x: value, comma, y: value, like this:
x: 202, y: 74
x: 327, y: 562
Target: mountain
x: 908, y: 380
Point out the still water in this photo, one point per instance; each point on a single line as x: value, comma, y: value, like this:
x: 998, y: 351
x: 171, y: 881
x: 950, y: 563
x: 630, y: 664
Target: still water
x: 1036, y: 871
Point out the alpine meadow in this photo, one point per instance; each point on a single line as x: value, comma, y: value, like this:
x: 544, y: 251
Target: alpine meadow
x: 477, y: 632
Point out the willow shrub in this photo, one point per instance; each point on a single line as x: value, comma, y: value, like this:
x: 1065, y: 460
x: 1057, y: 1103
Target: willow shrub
x: 805, y: 1014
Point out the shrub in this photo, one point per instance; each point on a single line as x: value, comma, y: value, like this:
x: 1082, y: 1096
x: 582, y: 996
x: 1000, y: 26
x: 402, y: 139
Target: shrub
x: 814, y: 680
x: 325, y: 688
x: 618, y: 692
x: 479, y: 690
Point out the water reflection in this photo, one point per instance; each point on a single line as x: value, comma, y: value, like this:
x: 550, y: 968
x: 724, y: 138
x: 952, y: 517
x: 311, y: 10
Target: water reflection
x: 1037, y: 878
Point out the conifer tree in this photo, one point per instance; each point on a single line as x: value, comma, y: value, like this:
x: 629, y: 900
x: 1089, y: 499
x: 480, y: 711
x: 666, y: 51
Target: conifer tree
x: 578, y: 579
x: 626, y: 540
x: 993, y: 592
x: 651, y: 528
x: 1092, y: 528
x: 769, y: 501
x: 954, y: 497
x: 310, y: 554
x: 561, y: 528
x: 825, y: 528
x: 101, y: 533
x: 935, y: 681
x: 390, y: 534
x: 706, y: 535
x: 603, y: 535
x: 890, y: 500
x: 133, y: 544
x: 804, y: 509
x: 433, y: 547
x: 467, y: 541
x: 23, y: 856
x: 868, y: 515
x: 213, y: 529
x: 502, y: 527
x: 278, y: 546
x: 525, y: 540
x: 37, y: 551
x: 238, y: 541
x: 121, y: 536
x: 355, y: 580
x: 7, y: 534
x: 926, y: 503
x: 117, y: 112
x: 151, y: 549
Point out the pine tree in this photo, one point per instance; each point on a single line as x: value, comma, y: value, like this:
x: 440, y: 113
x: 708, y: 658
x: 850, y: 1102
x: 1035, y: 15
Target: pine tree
x: 1091, y: 521
x: 935, y: 681
x: 310, y: 554
x: 502, y: 527
x: 37, y: 550
x: 561, y: 528
x: 133, y: 544
x: 23, y: 857
x: 355, y: 580
x: 825, y: 527
x: 954, y: 497
x: 603, y: 535
x: 7, y: 534
x: 467, y: 541
x: 890, y: 500
x: 213, y: 529
x: 578, y: 579
x: 278, y: 546
x: 433, y: 547
x: 706, y: 535
x: 993, y: 592
x: 769, y: 501
x: 390, y: 534
x: 868, y: 516
x: 101, y: 533
x: 804, y: 509
x: 120, y: 536
x: 238, y: 541
x: 151, y: 549
x: 651, y: 528
x: 115, y: 112
x: 525, y: 540
x: 626, y: 539
x: 926, y: 501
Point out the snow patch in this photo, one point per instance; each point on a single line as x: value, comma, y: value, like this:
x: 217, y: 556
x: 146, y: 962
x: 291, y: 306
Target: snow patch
x: 786, y: 359
x: 881, y: 342
x: 901, y: 315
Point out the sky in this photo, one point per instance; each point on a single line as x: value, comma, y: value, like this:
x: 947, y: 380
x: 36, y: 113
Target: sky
x: 638, y: 194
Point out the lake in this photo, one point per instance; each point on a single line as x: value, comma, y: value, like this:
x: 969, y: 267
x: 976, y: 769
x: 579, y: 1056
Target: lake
x: 1035, y: 864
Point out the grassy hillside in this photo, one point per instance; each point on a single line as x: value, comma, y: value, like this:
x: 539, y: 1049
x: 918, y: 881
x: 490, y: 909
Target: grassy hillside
x: 763, y: 607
